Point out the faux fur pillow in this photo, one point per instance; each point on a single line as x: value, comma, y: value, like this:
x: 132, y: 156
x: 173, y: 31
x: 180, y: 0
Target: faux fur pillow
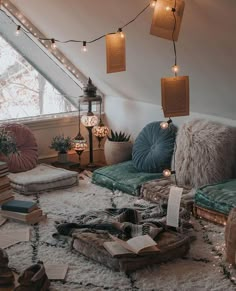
x: 205, y: 153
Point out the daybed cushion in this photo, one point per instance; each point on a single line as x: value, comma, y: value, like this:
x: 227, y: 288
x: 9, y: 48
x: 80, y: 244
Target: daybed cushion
x: 158, y: 191
x: 124, y: 177
x: 219, y: 197
x: 205, y: 153
x: 27, y: 156
x: 153, y: 148
x: 172, y: 245
x: 43, y: 178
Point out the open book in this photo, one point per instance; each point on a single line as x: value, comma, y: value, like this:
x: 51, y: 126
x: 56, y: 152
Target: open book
x: 143, y: 244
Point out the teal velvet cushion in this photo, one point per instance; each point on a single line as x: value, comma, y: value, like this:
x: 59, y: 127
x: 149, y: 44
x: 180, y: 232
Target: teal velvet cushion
x: 123, y: 177
x: 153, y: 148
x: 219, y: 197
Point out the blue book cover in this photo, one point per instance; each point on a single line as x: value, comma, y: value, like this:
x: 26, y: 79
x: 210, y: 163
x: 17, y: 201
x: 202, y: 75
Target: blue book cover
x: 19, y: 206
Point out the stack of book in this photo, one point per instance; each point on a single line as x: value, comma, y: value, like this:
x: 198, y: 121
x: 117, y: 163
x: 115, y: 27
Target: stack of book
x: 26, y: 211
x: 6, y: 193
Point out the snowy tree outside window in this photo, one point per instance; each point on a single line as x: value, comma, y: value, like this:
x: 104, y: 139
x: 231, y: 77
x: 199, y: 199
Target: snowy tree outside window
x: 24, y: 92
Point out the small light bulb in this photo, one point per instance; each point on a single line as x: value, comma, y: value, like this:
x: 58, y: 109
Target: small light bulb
x: 166, y: 173
x: 168, y: 8
x: 18, y: 30
x: 84, y: 47
x: 153, y: 3
x: 53, y: 45
x: 122, y: 35
x: 175, y: 69
x: 164, y: 124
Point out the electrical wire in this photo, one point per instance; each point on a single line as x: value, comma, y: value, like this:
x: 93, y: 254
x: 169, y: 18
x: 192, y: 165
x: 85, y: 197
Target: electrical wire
x: 173, y: 40
x: 74, y: 40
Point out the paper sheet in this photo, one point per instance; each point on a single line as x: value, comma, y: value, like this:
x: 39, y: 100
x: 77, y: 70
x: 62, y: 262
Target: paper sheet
x: 174, y: 206
x: 11, y: 237
x: 56, y: 271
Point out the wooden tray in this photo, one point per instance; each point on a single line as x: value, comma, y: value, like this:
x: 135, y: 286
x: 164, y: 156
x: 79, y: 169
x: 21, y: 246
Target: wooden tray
x: 213, y: 216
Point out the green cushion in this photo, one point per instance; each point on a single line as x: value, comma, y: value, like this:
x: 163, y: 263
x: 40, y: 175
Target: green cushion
x: 123, y: 177
x: 219, y: 197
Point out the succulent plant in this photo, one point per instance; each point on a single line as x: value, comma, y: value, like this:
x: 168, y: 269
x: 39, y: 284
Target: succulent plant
x: 7, y: 143
x: 118, y: 137
x: 61, y: 143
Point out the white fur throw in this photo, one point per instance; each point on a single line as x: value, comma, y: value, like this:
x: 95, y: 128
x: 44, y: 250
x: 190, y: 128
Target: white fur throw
x: 205, y: 153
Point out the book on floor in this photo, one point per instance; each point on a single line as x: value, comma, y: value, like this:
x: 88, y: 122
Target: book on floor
x: 143, y: 244
x: 27, y: 217
x: 20, y: 206
x: 56, y: 271
x: 4, y: 181
x: 6, y: 200
x: 11, y: 237
x: 6, y: 194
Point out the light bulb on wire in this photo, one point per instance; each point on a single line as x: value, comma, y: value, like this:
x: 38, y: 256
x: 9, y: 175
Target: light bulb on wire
x: 84, y: 48
x: 18, y: 30
x: 153, y: 3
x: 167, y: 173
x: 175, y: 69
x: 122, y: 35
x: 53, y: 44
x: 165, y: 124
x: 168, y: 8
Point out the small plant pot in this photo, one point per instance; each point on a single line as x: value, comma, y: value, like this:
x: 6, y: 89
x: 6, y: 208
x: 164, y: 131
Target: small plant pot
x: 117, y: 152
x: 62, y: 158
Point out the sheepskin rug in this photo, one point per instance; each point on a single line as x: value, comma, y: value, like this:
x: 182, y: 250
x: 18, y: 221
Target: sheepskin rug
x: 203, y: 268
x: 205, y: 153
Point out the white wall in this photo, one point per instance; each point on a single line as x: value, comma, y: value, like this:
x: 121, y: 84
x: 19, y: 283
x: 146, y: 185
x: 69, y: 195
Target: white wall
x: 131, y: 116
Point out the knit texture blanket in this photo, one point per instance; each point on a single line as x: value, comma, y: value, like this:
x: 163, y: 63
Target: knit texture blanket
x: 124, y: 222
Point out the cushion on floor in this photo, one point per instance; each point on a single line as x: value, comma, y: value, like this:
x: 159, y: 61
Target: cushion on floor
x: 124, y: 177
x: 158, y: 190
x: 172, y: 245
x: 27, y: 155
x: 219, y: 197
x: 205, y: 153
x: 153, y: 148
x: 43, y: 178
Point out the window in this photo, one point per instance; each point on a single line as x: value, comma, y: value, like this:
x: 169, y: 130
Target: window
x: 24, y: 92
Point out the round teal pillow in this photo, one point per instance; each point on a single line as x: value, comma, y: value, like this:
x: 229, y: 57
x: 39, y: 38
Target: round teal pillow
x: 153, y: 148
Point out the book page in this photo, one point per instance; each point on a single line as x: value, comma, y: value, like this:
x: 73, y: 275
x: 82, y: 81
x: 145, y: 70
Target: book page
x: 11, y: 237
x: 56, y: 271
x: 136, y: 244
x: 116, y: 249
x: 163, y: 21
x: 115, y: 53
x: 174, y: 206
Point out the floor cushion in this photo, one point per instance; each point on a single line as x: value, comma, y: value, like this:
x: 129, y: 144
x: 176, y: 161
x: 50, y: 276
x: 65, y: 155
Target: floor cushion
x: 153, y: 148
x: 205, y: 153
x: 27, y: 155
x: 124, y: 177
x: 219, y: 197
x: 42, y: 178
x: 158, y: 190
x: 172, y: 245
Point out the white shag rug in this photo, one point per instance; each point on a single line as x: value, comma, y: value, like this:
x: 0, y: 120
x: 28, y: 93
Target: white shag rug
x: 203, y: 268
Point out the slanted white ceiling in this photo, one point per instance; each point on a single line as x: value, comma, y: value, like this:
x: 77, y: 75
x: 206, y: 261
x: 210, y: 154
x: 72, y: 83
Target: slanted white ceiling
x: 206, y: 48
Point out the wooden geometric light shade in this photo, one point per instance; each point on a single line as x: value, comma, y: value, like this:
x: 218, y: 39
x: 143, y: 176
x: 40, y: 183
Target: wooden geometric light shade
x: 175, y: 96
x: 163, y: 21
x: 115, y: 52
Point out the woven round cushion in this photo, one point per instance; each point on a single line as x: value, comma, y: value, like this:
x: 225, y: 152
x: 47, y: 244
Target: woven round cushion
x: 153, y: 148
x: 27, y: 155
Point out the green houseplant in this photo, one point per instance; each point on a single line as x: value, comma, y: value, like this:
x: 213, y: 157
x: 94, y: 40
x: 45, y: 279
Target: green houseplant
x: 62, y: 144
x: 7, y: 143
x: 117, y: 148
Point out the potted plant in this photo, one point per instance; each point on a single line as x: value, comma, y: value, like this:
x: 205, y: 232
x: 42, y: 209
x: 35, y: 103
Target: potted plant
x: 7, y: 143
x: 62, y: 145
x: 117, y: 148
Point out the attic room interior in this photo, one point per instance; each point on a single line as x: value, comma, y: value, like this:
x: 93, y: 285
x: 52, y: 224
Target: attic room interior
x: 117, y: 145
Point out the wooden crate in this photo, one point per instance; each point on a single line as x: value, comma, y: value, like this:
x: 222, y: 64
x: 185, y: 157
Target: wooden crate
x: 213, y: 216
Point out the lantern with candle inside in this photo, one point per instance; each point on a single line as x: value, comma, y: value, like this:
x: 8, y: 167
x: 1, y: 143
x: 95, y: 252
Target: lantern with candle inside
x: 100, y: 131
x: 79, y: 144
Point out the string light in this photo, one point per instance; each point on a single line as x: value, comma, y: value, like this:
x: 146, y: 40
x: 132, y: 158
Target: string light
x: 167, y: 173
x: 18, y: 30
x: 168, y: 8
x: 175, y: 69
x: 153, y: 3
x: 165, y: 124
x: 84, y: 48
x: 53, y: 45
x: 121, y: 33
